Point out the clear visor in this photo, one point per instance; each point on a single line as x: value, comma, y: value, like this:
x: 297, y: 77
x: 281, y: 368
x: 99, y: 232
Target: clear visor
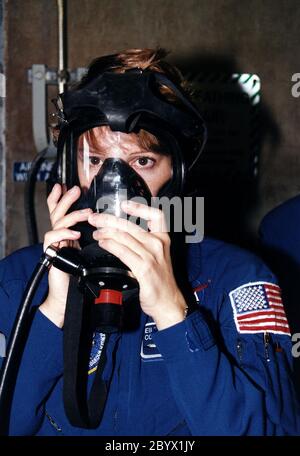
x: 142, y: 151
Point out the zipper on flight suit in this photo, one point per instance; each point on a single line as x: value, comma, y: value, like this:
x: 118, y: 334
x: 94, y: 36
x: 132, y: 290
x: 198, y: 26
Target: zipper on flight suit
x: 53, y: 423
x: 239, y: 348
x: 266, y: 344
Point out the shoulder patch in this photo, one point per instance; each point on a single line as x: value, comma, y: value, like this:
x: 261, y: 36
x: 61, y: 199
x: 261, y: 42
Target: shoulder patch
x: 257, y: 308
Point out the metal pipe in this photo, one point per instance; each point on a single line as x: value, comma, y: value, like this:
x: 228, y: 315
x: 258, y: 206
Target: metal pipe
x: 62, y: 73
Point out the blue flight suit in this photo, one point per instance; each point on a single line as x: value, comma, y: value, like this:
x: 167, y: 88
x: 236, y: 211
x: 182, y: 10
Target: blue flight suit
x: 202, y: 376
x: 280, y: 236
x: 280, y: 231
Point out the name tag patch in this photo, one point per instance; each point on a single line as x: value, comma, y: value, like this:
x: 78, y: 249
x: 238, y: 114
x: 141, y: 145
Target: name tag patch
x: 149, y: 350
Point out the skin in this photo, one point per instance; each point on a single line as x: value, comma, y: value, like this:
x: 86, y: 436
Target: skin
x: 146, y: 253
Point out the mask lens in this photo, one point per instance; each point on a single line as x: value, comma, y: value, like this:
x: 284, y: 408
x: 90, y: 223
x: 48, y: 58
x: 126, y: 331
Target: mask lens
x: 89, y: 159
x: 106, y: 180
x: 153, y: 162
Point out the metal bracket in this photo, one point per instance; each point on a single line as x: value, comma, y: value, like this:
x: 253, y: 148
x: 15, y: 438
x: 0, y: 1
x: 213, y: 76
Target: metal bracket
x: 40, y: 77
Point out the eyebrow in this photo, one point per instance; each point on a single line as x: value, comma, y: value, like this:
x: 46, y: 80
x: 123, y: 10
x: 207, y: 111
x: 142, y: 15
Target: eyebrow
x: 92, y: 150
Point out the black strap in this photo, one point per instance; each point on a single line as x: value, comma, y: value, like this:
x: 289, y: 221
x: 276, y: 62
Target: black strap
x: 99, y: 390
x: 81, y: 411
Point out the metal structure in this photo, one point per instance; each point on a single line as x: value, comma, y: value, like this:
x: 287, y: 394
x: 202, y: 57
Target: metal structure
x: 40, y: 77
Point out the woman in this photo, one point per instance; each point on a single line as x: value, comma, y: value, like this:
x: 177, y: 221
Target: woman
x: 221, y: 368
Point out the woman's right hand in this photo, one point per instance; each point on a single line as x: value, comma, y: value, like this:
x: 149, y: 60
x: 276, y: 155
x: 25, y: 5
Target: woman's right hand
x: 61, y: 236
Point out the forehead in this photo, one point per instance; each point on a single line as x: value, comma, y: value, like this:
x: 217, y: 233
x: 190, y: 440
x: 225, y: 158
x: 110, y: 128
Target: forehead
x: 104, y: 138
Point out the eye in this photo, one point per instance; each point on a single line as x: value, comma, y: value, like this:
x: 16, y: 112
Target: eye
x: 145, y: 162
x: 95, y: 161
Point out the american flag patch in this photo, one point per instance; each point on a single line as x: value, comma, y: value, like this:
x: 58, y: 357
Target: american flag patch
x: 257, y: 307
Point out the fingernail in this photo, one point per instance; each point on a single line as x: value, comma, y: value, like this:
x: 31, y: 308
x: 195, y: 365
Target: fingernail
x: 86, y: 210
x: 74, y: 189
x: 75, y: 233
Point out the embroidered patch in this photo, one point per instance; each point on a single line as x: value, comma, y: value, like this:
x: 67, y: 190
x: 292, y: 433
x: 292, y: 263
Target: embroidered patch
x: 257, y: 307
x: 149, y: 350
x: 97, y: 346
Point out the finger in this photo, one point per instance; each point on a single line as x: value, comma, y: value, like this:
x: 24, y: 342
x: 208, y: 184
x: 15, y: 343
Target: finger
x: 63, y: 234
x: 53, y: 197
x: 64, y: 204
x: 73, y: 218
x: 155, y: 217
x: 125, y: 239
x: 142, y: 242
x: 108, y: 220
x: 133, y: 261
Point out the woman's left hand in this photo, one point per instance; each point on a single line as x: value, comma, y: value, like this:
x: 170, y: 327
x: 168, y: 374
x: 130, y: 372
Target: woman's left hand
x: 147, y: 255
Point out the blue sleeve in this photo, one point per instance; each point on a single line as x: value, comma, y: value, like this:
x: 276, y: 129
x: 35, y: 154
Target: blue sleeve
x: 279, y: 229
x: 280, y: 241
x: 220, y: 392
x: 41, y: 364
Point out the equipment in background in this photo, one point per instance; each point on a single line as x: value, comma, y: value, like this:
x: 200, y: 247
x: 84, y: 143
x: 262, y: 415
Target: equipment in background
x: 40, y: 77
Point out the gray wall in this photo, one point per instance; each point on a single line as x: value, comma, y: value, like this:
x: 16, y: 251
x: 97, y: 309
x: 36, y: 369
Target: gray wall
x: 256, y: 36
